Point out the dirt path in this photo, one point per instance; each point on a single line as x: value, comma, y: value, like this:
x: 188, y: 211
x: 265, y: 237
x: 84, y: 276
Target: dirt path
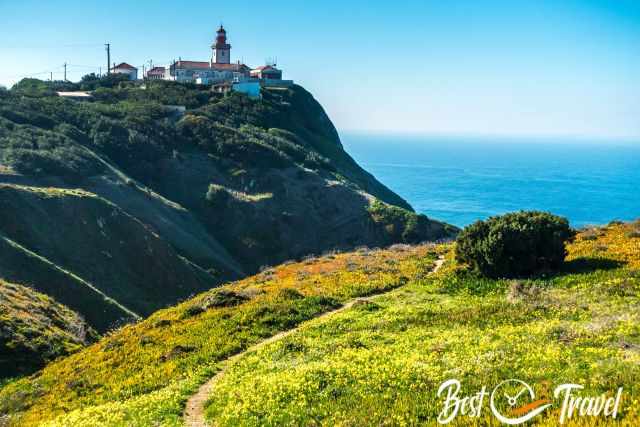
x: 194, y: 410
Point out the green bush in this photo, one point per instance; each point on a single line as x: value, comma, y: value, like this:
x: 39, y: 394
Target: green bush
x: 514, y: 245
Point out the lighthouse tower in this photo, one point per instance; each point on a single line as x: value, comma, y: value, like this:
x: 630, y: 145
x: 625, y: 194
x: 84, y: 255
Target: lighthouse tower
x: 221, y: 50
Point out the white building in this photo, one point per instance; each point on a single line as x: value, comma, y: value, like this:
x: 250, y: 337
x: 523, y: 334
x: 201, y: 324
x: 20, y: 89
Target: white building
x: 218, y: 70
x: 127, y: 69
x: 206, y: 72
x: 267, y: 72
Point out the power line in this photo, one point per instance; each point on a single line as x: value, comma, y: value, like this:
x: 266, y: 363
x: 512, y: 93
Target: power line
x: 39, y: 73
x: 71, y: 45
x: 84, y: 66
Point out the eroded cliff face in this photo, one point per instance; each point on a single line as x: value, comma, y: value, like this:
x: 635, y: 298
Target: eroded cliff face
x: 117, y: 207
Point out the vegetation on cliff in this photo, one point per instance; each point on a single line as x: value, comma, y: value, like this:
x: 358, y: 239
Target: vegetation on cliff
x: 35, y: 329
x: 135, y: 205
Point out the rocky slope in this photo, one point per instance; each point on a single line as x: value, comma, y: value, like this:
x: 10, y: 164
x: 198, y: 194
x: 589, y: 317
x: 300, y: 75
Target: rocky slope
x: 120, y: 206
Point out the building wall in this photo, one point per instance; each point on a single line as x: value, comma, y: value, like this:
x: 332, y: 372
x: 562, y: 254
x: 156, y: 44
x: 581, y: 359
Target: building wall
x: 208, y: 76
x: 185, y: 75
x: 222, y: 56
x: 251, y: 88
x: 133, y: 74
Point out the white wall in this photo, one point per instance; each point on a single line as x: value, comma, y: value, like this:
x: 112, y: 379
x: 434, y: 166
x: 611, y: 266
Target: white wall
x: 133, y: 74
x: 222, y: 56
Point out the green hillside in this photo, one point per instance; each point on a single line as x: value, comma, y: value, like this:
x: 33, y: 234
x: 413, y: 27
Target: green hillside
x: 119, y: 206
x: 143, y: 373
x: 21, y: 264
x: 35, y: 329
x: 383, y: 365
x: 378, y: 362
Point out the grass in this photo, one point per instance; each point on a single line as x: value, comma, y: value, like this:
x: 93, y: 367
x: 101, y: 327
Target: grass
x: 143, y: 373
x: 50, y: 192
x: 382, y: 363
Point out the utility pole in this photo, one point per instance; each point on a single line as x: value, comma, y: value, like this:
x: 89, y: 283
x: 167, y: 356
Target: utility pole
x: 107, y: 46
x: 65, y: 71
x: 51, y: 78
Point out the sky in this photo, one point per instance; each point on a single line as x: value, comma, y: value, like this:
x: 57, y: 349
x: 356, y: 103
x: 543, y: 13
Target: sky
x: 456, y: 67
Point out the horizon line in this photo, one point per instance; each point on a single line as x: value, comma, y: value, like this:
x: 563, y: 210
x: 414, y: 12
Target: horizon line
x: 500, y: 136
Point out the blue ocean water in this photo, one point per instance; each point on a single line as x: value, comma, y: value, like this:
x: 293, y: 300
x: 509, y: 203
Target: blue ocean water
x: 460, y: 180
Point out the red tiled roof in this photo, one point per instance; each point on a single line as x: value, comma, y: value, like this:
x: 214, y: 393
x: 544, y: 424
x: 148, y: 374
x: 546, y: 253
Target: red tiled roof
x: 214, y: 66
x: 229, y: 67
x: 192, y: 64
x: 124, y: 66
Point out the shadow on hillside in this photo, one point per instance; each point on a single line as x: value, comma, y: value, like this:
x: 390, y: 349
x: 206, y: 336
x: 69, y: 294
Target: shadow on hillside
x: 589, y: 265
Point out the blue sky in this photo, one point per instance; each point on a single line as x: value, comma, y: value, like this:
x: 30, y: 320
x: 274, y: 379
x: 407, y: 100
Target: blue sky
x: 543, y: 67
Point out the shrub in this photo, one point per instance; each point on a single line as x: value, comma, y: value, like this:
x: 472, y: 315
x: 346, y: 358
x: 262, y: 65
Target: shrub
x: 514, y: 245
x: 633, y: 234
x: 401, y: 224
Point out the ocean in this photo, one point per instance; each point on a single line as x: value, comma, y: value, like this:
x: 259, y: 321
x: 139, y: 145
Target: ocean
x: 460, y: 180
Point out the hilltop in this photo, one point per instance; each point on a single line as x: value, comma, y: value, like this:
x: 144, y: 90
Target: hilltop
x: 146, y: 194
x: 378, y: 360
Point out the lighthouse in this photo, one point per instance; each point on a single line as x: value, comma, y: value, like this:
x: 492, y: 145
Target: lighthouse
x: 221, y: 49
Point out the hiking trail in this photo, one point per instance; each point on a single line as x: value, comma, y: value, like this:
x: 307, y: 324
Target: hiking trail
x: 194, y: 410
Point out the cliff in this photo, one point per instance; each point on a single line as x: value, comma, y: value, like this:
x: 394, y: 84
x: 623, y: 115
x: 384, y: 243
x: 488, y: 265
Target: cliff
x: 120, y: 206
